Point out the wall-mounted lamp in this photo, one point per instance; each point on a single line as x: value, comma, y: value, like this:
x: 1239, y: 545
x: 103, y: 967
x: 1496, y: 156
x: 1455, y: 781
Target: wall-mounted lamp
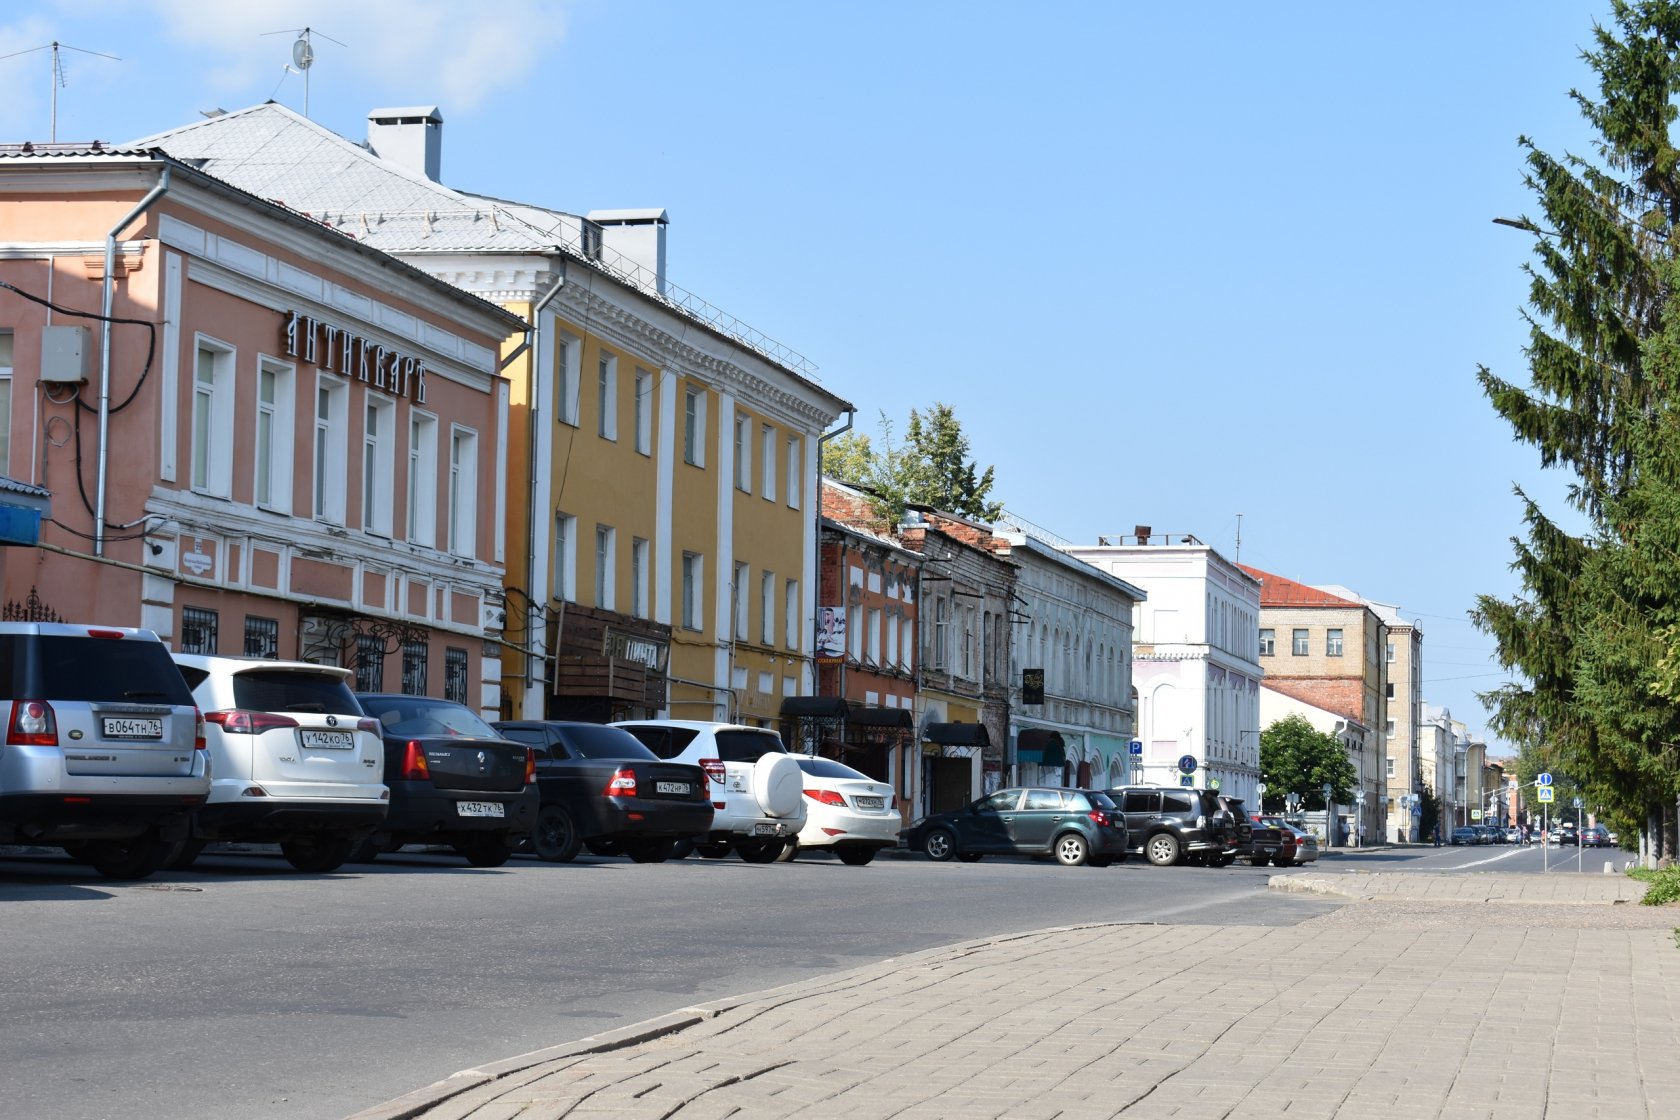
x: 157, y: 549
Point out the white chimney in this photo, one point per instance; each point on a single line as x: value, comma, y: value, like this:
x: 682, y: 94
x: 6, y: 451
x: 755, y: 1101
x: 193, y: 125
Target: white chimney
x: 637, y: 236
x: 411, y: 138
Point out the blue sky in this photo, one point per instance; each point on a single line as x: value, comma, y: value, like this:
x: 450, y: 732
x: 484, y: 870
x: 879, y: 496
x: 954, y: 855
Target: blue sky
x: 1169, y: 263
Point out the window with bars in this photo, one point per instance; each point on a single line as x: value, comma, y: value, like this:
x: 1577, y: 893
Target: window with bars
x: 414, y: 668
x: 262, y: 637
x: 370, y: 663
x: 198, y: 630
x: 455, y: 675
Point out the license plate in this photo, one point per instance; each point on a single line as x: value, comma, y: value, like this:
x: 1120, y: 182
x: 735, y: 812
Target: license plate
x: 128, y: 727
x: 329, y: 740
x: 671, y: 787
x: 478, y: 808
x: 867, y: 802
x: 764, y: 830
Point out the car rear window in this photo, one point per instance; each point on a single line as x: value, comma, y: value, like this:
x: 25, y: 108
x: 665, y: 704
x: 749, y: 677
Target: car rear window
x: 97, y: 670
x: 280, y: 690
x: 828, y: 768
x: 420, y: 716
x: 1174, y: 803
x: 664, y: 742
x: 1099, y: 800
x: 747, y: 746
x: 604, y: 742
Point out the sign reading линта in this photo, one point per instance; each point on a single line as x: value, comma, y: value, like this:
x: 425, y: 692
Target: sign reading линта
x: 336, y: 350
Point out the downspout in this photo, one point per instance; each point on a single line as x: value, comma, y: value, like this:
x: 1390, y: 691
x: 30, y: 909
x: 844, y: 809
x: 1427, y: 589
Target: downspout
x: 106, y: 304
x: 816, y: 565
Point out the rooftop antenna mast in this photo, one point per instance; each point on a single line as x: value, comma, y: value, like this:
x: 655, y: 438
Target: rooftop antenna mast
x: 303, y: 54
x: 1237, y: 559
x: 58, y: 76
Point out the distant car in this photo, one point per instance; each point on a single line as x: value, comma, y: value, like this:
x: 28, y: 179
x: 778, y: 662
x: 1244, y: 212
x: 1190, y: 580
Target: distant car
x: 1266, y: 842
x: 1077, y: 826
x: 1174, y: 824
x: 1513, y: 835
x: 1464, y: 834
x: 1304, y: 848
x: 1565, y: 834
x: 1595, y: 836
x: 846, y: 812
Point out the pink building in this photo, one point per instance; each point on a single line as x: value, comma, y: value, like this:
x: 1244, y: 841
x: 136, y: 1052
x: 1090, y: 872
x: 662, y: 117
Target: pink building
x: 258, y: 436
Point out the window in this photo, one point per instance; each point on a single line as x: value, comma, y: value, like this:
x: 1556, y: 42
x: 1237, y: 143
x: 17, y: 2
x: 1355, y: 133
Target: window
x: 795, y: 472
x: 1388, y: 729
x: 414, y: 668
x: 1299, y: 648
x: 767, y: 608
x: 738, y: 600
x: 422, y: 479
x: 1391, y: 653
x: 693, y: 590
x: 378, y: 465
x: 262, y: 637
x: 212, y: 420
x: 5, y: 400
x: 455, y: 675
x: 565, y: 558
x: 892, y: 641
x: 638, y: 578
x: 644, y: 412
x: 1268, y: 643
x: 567, y: 364
x: 1333, y: 643
x: 332, y: 449
x: 767, y: 452
x: 854, y: 631
x: 198, y: 630
x: 370, y: 663
x: 1388, y: 690
x: 791, y: 613
x: 273, y: 476
x: 607, y: 424
x: 875, y: 637
x: 694, y: 426
x: 1390, y: 761
x: 743, y: 452
x: 605, y: 550
x: 463, y: 491
x: 941, y: 633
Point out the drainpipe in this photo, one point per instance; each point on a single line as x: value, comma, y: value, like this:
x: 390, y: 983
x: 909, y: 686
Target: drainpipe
x: 152, y: 196
x: 816, y: 567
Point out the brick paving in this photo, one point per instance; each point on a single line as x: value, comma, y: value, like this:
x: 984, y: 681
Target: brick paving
x: 1476, y: 996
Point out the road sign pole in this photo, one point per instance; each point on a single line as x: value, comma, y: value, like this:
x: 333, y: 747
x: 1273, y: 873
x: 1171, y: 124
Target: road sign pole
x: 1545, y: 837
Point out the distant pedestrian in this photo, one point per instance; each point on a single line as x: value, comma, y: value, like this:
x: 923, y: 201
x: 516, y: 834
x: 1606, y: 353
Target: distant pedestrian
x: 1437, y: 835
x: 1361, y: 834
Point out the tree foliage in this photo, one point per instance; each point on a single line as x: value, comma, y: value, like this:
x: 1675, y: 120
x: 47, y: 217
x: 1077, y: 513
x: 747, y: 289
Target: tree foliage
x: 931, y: 467
x: 1296, y: 757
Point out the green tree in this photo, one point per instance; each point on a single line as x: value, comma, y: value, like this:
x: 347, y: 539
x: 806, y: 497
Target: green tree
x: 1295, y: 757
x: 1429, y: 815
x: 850, y: 458
x: 931, y: 467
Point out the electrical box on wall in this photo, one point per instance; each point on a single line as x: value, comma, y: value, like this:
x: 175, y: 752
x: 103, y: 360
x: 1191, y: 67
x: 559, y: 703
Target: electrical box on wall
x: 64, y: 355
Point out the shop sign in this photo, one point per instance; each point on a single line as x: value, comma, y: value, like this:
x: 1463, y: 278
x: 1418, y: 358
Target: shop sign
x: 337, y: 350
x: 634, y: 647
x: 1032, y: 686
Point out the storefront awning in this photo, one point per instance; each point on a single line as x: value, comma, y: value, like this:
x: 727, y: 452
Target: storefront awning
x: 1042, y: 746
x: 815, y: 707
x: 957, y: 734
x: 861, y: 716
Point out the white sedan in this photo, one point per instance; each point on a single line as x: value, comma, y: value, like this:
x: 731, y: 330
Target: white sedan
x: 846, y: 812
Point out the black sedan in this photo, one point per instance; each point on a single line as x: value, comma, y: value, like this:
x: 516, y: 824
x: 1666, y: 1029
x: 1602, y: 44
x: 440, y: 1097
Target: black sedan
x: 453, y: 780
x: 1077, y: 826
x: 602, y: 789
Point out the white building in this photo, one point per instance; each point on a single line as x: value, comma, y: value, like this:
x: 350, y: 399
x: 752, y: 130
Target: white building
x: 1195, y: 660
x: 1355, y: 737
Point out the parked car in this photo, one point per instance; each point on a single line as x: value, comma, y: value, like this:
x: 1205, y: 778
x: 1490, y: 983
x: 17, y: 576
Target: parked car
x: 1266, y: 843
x: 1595, y: 836
x: 294, y: 760
x: 757, y: 789
x: 1301, y: 846
x: 600, y: 785
x: 453, y: 780
x: 1464, y: 834
x: 1513, y: 835
x: 1565, y: 834
x: 1077, y: 826
x: 1170, y: 824
x: 847, y: 812
x: 104, y: 753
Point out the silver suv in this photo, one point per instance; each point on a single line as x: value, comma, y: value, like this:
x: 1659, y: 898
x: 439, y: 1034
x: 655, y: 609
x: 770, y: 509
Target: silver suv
x: 104, y: 753
x: 758, y: 789
x: 296, y: 761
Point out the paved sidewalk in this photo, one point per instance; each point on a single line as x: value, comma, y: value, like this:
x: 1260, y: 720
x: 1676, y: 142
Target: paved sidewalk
x: 1425, y: 997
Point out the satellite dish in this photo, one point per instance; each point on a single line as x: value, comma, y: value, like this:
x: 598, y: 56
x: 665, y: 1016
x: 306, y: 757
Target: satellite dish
x: 302, y: 53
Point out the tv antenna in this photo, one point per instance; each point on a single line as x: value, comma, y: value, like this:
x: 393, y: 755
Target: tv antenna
x: 58, y: 75
x: 303, y: 55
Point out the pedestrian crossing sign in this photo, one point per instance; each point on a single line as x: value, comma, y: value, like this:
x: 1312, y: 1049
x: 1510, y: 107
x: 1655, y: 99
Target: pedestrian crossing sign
x: 1545, y: 793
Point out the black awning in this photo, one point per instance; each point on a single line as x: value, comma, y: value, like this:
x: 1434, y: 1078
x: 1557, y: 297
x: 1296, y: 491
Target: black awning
x: 815, y: 707
x: 958, y: 734
x: 861, y: 716
x: 1041, y: 745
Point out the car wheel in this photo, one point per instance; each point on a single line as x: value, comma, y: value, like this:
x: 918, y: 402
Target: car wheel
x: 1162, y: 849
x: 682, y: 847
x: 648, y: 851
x: 1099, y: 861
x: 969, y: 857
x: 1072, y: 849
x: 939, y: 845
x: 759, y: 851
x: 1281, y: 862
x: 486, y: 851
x: 555, y: 839
x: 1259, y: 861
x: 185, y: 855
x: 712, y: 849
x: 789, y: 850
x: 129, y: 859
x: 855, y: 857
x: 317, y: 855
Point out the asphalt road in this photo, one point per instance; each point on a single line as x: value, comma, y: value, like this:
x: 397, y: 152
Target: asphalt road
x: 244, y: 989
x: 1556, y: 859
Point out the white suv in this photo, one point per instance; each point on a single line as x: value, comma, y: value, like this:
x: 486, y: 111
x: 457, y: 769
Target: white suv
x: 296, y: 760
x: 758, y: 798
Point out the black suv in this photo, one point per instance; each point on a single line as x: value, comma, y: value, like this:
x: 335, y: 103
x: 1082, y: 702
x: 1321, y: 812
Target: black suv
x: 1174, y: 824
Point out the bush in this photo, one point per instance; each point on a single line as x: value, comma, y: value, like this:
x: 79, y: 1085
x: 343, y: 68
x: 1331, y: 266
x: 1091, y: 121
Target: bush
x: 1664, y: 885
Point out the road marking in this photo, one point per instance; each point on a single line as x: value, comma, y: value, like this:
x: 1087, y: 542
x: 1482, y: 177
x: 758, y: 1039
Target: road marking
x: 1493, y: 859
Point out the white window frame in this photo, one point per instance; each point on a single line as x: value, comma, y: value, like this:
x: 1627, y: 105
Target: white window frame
x: 565, y: 558
x: 568, y: 371
x: 213, y: 437
x: 644, y: 412
x: 331, y: 449
x: 1268, y: 642
x: 606, y: 379
x: 378, y: 464
x: 739, y: 604
x: 638, y: 577
x: 767, y: 452
x: 463, y: 491
x: 274, y: 436
x: 421, y: 515
x: 694, y: 424
x: 1333, y: 642
x: 795, y: 473
x: 693, y: 591
x: 606, y: 567
x: 791, y: 614
x: 1300, y: 642
x: 767, y: 608
x: 743, y: 452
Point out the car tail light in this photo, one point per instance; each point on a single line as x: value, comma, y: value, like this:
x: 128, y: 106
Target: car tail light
x: 32, y: 724
x: 1098, y: 818
x: 414, y: 767
x: 118, y: 635
x: 714, y: 769
x: 530, y: 766
x: 825, y: 796
x: 623, y: 784
x: 238, y: 721
x: 369, y: 724
x: 199, y: 741
x: 1201, y: 821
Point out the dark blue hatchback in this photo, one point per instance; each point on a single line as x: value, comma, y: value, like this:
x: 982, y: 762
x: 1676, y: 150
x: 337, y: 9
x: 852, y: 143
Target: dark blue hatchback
x: 1077, y: 826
